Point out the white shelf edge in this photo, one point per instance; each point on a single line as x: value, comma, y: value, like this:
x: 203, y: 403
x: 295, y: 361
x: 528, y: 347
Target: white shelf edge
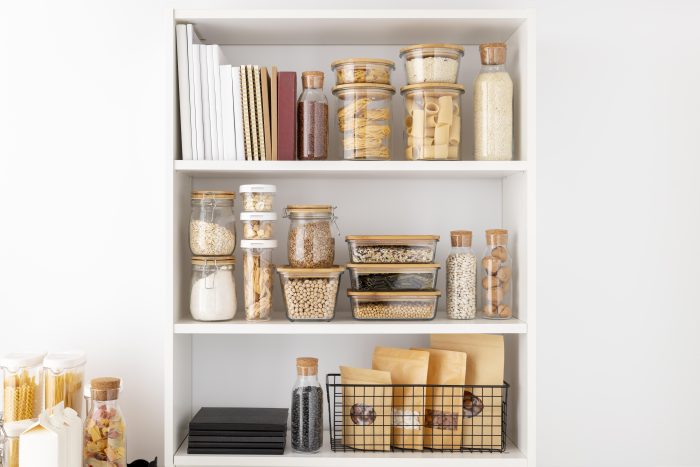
x: 343, y: 168
x: 203, y: 14
x: 345, y: 324
x: 327, y: 458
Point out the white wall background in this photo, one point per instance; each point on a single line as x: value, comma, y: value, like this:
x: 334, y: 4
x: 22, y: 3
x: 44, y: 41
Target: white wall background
x: 82, y: 104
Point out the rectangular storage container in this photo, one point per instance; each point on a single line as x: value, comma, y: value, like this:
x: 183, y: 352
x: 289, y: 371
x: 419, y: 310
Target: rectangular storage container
x: 404, y: 306
x: 383, y: 249
x: 310, y: 294
x: 393, y: 277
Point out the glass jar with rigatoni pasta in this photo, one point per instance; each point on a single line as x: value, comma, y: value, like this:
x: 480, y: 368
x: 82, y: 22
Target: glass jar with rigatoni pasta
x: 432, y: 127
x: 364, y: 120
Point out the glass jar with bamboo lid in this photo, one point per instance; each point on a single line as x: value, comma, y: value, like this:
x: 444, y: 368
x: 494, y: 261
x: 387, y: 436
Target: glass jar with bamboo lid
x: 311, y: 243
x: 63, y: 380
x: 212, y: 223
x: 23, y: 379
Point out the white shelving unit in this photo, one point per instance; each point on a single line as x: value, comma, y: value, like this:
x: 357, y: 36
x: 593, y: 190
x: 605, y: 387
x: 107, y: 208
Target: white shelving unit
x: 252, y: 364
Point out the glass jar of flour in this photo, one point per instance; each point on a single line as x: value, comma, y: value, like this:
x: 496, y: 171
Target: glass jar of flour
x: 213, y: 294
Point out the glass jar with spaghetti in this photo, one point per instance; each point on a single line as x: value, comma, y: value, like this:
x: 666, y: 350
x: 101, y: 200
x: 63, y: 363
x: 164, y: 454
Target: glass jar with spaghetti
x: 433, y: 121
x: 63, y: 380
x: 23, y: 378
x: 364, y: 120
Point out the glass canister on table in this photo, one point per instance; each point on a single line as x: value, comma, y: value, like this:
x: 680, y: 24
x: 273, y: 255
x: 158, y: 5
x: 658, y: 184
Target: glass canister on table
x: 497, y: 276
x: 105, y: 428
x: 213, y: 223
x: 307, y: 407
x: 311, y: 243
x: 23, y: 382
x: 63, y: 380
x: 312, y: 118
x: 493, y: 106
x: 461, y: 277
x: 213, y: 293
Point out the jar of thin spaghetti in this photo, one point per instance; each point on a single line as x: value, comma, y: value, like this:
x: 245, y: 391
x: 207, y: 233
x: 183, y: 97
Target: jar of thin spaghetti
x: 11, y: 442
x: 22, y: 376
x: 63, y: 380
x: 364, y: 120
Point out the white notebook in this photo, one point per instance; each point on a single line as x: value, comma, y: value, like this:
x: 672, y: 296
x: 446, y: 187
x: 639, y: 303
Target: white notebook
x: 228, y: 125
x: 238, y: 112
x: 184, y: 92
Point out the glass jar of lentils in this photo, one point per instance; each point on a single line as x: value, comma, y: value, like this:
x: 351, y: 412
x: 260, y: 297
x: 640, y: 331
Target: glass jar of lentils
x: 310, y: 243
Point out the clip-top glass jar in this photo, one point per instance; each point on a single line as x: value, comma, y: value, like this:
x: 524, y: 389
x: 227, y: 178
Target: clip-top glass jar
x: 213, y: 295
x: 63, y: 380
x: 307, y: 407
x: 493, y: 106
x: 310, y: 243
x: 213, y: 223
x: 105, y: 428
x: 461, y: 277
x: 312, y: 118
x: 497, y: 276
x: 23, y: 381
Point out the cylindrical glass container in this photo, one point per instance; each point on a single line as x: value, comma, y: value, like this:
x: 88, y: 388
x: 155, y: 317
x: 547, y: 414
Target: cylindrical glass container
x: 257, y: 198
x: 307, y: 407
x: 493, y: 106
x: 310, y: 243
x: 461, y: 277
x: 105, y: 428
x: 63, y: 380
x: 432, y: 63
x: 364, y: 120
x: 312, y: 118
x: 497, y: 276
x: 213, y: 223
x: 257, y: 278
x: 213, y: 293
x: 362, y: 70
x: 9, y: 447
x: 23, y: 382
x: 433, y: 121
x: 258, y: 225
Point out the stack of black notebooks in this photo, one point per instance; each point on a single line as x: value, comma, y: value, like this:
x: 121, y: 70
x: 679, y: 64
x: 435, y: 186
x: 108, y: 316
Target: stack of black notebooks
x: 234, y: 430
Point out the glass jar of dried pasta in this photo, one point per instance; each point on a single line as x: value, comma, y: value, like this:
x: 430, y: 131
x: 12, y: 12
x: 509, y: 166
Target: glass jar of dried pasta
x: 364, y: 120
x: 433, y: 121
x: 362, y: 70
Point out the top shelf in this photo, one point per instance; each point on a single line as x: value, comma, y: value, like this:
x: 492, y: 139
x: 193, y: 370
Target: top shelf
x: 352, y: 27
x: 344, y: 169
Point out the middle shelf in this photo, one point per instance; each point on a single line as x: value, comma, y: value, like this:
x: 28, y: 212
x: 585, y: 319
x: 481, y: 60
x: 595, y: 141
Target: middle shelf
x: 345, y: 324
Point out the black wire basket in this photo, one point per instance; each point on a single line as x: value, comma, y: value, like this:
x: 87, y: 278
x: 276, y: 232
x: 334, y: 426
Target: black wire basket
x: 401, y: 417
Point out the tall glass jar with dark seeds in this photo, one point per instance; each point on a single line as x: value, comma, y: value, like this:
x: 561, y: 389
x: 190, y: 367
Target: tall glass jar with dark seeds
x: 312, y: 118
x: 307, y: 407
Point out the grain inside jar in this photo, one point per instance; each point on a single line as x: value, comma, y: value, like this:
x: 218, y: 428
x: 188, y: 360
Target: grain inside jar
x: 310, y: 243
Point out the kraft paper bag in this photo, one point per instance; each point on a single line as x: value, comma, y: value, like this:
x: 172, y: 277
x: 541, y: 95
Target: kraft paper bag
x: 366, y: 409
x: 482, y: 407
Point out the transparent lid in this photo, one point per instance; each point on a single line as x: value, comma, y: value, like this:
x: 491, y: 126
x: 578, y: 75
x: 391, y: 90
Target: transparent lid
x: 432, y: 50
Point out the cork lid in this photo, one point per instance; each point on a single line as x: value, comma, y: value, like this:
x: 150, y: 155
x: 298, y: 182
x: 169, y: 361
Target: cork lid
x: 105, y: 389
x: 312, y: 79
x: 493, y: 53
x: 461, y: 238
x: 496, y: 237
x: 307, y: 366
x: 213, y: 195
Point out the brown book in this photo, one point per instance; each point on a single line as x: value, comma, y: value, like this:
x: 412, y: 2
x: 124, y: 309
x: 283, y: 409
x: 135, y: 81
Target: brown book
x: 265, y: 80
x: 273, y: 112
x: 286, y: 115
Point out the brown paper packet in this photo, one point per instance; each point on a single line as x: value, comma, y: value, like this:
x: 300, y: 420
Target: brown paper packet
x: 483, y: 414
x: 366, y: 410
x: 406, y: 367
x: 443, y: 406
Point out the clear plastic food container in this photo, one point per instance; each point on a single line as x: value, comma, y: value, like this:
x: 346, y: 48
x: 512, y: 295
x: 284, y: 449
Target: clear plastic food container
x: 258, y: 225
x: 392, y: 248
x: 393, y: 277
x: 394, y: 305
x: 432, y: 63
x: 364, y: 120
x: 432, y: 123
x: 363, y: 70
x: 23, y: 381
x: 64, y: 377
x: 310, y: 294
x: 257, y: 278
x: 257, y: 197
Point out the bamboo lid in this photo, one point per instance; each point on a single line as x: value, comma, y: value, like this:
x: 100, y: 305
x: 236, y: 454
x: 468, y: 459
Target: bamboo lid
x: 432, y: 86
x: 312, y: 79
x: 461, y: 238
x: 394, y: 294
x: 213, y: 195
x: 318, y: 208
x: 369, y: 87
x: 393, y: 266
x: 457, y: 48
x: 213, y: 260
x: 307, y: 366
x: 496, y: 237
x: 392, y: 237
x: 493, y: 53
x: 310, y: 272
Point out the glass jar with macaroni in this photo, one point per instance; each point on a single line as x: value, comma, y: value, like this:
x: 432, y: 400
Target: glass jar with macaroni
x: 433, y: 121
x: 364, y: 120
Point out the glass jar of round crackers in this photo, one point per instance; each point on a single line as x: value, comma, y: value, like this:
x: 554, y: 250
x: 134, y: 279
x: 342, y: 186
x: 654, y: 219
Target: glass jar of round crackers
x: 364, y: 120
x: 432, y: 126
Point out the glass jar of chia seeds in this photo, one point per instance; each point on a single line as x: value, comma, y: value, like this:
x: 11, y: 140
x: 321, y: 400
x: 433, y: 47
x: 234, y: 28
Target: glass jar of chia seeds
x: 307, y: 407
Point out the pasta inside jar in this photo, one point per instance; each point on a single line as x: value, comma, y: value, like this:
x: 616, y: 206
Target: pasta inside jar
x: 362, y: 70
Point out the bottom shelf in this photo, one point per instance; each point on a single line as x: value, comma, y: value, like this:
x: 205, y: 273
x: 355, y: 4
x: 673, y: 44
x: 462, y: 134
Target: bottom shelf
x: 327, y: 458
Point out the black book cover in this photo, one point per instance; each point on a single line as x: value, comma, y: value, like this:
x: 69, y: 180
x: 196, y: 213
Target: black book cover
x: 254, y: 451
x: 240, y: 418
x: 237, y: 439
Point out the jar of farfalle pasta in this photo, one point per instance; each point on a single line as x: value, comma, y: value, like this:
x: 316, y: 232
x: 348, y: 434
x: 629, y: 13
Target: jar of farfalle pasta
x: 433, y: 121
x: 364, y: 120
